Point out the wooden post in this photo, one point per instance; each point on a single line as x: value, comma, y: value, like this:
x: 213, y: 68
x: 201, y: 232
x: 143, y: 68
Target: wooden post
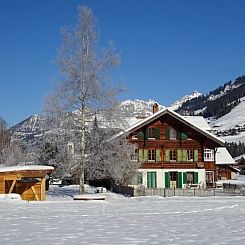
x: 12, y: 186
x: 43, y: 185
x: 35, y: 194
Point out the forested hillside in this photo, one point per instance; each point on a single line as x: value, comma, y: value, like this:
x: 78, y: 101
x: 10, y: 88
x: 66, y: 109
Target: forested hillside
x: 218, y: 102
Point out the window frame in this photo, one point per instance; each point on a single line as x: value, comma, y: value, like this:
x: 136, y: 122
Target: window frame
x: 151, y: 155
x: 172, y: 155
x: 208, y: 155
x: 151, y: 133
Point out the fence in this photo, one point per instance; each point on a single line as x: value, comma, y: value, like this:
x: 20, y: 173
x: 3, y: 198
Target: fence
x: 142, y: 191
x: 188, y: 192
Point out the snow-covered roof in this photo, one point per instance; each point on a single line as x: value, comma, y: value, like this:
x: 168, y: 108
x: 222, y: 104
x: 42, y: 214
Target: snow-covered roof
x: 185, y: 120
x: 223, y: 156
x: 198, y: 121
x: 239, y: 157
x: 26, y: 168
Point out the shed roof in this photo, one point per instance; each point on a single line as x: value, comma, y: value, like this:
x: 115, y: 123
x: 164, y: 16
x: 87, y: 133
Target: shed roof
x: 224, y: 157
x: 27, y: 168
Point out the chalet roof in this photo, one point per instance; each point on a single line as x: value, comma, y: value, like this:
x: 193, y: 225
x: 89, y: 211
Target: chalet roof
x: 223, y: 157
x: 185, y: 120
x: 198, y: 121
x: 239, y: 157
x: 26, y: 168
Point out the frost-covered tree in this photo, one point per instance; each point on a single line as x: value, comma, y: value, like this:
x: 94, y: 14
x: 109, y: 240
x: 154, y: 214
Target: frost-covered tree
x: 110, y: 157
x: 84, y: 87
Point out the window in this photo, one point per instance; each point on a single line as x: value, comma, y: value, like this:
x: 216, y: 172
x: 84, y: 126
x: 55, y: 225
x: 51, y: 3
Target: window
x: 173, y: 133
x: 173, y: 176
x: 135, y: 155
x: 190, y: 155
x: 151, y: 133
x: 190, y: 177
x: 135, y: 136
x: 208, y: 155
x: 151, y: 155
x: 172, y: 155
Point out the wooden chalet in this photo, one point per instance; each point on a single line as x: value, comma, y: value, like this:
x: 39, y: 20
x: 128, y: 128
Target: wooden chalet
x: 175, y: 153
x: 28, y: 181
x: 240, y: 161
x: 225, y: 164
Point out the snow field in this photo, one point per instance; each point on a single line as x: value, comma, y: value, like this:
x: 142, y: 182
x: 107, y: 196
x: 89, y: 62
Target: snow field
x: 122, y: 220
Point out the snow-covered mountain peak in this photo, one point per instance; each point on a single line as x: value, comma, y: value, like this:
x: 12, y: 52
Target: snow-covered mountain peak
x: 138, y: 107
x: 179, y: 102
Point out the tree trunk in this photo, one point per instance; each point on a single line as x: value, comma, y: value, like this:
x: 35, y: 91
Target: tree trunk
x: 82, y: 160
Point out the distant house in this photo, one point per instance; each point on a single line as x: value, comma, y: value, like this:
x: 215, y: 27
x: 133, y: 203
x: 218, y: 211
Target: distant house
x: 175, y: 151
x: 240, y: 160
x: 27, y: 180
x: 225, y: 164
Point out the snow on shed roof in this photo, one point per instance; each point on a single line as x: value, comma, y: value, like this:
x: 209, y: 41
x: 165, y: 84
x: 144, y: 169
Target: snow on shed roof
x: 26, y: 168
x: 223, y: 156
x: 185, y: 120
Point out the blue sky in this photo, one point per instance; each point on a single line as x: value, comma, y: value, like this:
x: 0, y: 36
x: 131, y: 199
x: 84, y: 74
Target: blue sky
x: 169, y: 48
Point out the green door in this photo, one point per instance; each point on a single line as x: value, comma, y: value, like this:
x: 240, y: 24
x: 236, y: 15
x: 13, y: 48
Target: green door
x: 195, y: 177
x: 151, y: 179
x: 179, y: 183
x: 167, y: 183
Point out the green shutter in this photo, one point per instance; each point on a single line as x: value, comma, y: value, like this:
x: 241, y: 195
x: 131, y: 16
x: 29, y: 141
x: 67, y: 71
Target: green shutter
x: 178, y: 136
x: 158, y: 155
x: 140, y: 135
x: 195, y: 155
x: 184, y: 155
x: 167, y: 155
x: 179, y: 180
x: 151, y: 180
x: 167, y: 183
x: 184, y: 178
x: 183, y: 136
x: 148, y: 179
x: 195, y: 177
x: 167, y: 133
x: 145, y: 154
x: 141, y: 155
x: 146, y: 134
x: 157, y: 133
x: 154, y: 179
x: 179, y: 155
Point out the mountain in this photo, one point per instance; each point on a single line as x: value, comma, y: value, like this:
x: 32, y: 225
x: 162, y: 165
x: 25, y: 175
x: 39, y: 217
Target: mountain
x: 223, y: 108
x: 33, y: 126
x: 29, y: 128
x: 216, y: 103
x: 138, y: 108
x: 178, y: 104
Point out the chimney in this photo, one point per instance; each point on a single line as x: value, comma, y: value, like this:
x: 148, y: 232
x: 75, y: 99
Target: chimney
x: 155, y: 108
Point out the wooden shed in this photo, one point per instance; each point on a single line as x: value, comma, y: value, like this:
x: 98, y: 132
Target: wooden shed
x: 28, y: 181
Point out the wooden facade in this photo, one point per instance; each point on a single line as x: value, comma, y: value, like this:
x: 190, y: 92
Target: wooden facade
x: 174, y: 152
x: 28, y: 181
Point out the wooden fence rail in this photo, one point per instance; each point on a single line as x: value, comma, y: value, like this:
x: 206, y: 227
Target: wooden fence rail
x: 142, y: 191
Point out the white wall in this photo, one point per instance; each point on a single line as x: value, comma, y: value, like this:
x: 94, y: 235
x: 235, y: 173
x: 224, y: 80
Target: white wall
x: 161, y: 176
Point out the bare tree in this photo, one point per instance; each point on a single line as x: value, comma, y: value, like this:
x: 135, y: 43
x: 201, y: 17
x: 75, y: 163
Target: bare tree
x: 85, y: 71
x: 110, y: 157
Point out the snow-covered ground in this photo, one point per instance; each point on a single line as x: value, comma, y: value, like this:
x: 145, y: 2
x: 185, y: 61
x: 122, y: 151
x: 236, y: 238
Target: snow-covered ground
x: 123, y: 220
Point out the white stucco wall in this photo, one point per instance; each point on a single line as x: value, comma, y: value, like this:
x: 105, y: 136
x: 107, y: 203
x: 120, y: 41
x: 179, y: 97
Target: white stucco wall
x: 160, y: 173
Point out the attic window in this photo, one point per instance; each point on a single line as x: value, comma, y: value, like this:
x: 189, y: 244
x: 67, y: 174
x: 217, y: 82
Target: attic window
x: 134, y: 136
x: 208, y: 155
x: 173, y: 133
x: 151, y: 133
